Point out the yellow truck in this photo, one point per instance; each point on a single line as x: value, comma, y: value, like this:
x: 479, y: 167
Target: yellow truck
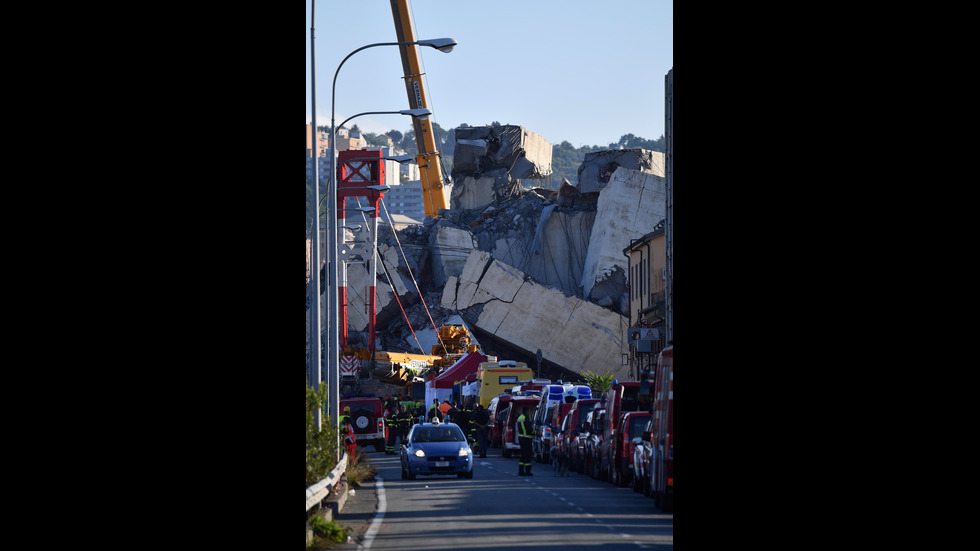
x: 495, y: 378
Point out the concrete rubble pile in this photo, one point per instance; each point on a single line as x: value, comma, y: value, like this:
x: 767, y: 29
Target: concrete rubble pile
x: 489, y: 163
x: 531, y: 269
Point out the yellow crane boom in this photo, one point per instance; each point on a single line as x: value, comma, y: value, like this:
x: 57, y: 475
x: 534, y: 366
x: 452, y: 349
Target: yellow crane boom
x: 428, y: 158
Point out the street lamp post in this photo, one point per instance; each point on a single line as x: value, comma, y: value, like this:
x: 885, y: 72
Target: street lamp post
x: 333, y: 351
x: 314, y: 344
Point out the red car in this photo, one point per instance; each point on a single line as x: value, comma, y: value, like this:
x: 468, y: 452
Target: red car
x: 657, y: 444
x: 498, y: 411
x: 630, y: 426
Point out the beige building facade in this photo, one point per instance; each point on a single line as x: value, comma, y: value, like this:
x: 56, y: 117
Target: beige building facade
x: 647, y: 285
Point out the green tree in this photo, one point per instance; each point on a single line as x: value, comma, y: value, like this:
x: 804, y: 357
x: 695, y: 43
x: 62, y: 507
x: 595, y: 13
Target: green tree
x: 375, y: 139
x: 410, y: 147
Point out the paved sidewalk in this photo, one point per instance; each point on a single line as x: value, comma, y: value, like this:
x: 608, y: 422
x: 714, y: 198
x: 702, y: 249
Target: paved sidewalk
x: 359, y: 510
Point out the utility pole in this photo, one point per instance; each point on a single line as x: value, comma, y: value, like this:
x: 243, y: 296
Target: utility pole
x: 669, y: 171
x: 316, y: 375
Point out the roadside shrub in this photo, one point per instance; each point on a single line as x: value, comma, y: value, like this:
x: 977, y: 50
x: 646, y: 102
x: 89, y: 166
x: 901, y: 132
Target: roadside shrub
x: 328, y: 530
x: 598, y: 383
x: 321, y: 445
x: 359, y: 468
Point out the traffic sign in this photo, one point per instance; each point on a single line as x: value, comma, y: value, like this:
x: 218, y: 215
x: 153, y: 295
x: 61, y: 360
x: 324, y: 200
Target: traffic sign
x: 638, y: 334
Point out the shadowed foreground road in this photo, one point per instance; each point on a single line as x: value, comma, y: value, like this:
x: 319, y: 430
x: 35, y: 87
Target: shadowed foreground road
x: 498, y: 509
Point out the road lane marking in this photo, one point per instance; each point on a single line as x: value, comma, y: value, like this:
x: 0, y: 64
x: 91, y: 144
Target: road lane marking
x: 378, y: 518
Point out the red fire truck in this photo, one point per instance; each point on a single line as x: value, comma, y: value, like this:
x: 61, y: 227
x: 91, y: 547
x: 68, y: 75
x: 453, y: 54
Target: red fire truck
x: 655, y: 453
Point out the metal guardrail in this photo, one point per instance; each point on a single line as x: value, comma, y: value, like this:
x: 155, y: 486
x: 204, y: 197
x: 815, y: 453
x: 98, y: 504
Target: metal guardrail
x: 319, y: 491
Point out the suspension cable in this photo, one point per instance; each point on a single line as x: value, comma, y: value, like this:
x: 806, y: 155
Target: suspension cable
x: 394, y: 291
x: 412, y: 275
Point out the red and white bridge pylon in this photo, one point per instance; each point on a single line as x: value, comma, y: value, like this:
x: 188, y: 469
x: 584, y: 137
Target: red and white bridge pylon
x: 360, y: 173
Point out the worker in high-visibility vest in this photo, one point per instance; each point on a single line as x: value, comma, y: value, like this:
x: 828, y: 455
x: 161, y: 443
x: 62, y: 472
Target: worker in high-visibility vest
x: 524, y: 435
x: 350, y: 441
x: 393, y: 424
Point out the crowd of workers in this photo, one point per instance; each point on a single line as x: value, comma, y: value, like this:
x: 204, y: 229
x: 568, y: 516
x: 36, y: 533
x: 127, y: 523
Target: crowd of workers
x: 401, y: 412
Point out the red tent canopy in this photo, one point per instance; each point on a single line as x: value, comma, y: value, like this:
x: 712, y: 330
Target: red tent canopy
x: 466, y: 365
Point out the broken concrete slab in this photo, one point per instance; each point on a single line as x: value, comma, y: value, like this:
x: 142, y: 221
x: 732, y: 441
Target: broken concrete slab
x: 478, y: 149
x: 449, y: 248
x: 628, y: 207
x: 478, y: 191
x: 503, y: 301
x: 554, y: 252
x: 598, y: 166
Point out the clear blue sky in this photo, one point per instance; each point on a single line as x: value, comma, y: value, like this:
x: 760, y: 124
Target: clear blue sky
x: 576, y: 70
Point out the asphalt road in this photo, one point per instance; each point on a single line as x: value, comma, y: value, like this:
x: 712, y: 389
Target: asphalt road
x: 497, y: 509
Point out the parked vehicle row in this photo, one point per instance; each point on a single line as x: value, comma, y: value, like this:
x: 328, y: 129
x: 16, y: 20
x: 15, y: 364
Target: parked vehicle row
x: 556, y: 401
x: 654, y: 448
x: 624, y: 437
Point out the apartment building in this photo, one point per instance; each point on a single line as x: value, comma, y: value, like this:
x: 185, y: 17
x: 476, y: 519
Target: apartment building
x: 406, y: 200
x: 345, y: 140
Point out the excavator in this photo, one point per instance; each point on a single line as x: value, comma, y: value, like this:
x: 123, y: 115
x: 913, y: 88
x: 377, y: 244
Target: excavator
x: 428, y: 158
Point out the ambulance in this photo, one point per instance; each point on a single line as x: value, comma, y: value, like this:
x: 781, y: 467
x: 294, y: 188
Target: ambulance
x: 551, y: 395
